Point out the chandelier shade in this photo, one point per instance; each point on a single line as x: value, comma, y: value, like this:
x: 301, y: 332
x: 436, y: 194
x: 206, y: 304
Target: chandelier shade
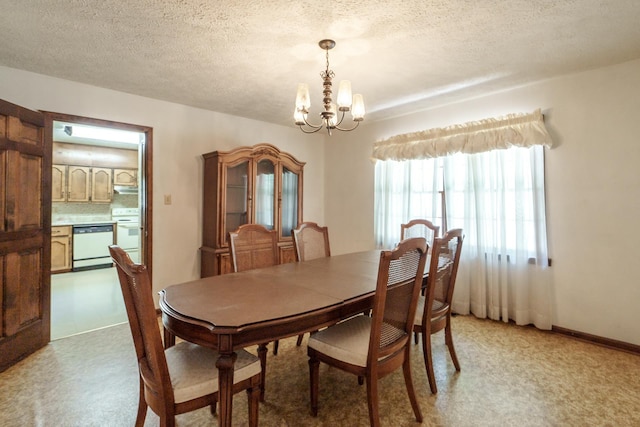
x: 333, y: 115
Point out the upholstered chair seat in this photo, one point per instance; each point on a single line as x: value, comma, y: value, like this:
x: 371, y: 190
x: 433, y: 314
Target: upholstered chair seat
x: 349, y: 340
x: 193, y: 372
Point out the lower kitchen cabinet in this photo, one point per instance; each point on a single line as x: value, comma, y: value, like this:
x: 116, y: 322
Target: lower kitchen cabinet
x: 61, y: 249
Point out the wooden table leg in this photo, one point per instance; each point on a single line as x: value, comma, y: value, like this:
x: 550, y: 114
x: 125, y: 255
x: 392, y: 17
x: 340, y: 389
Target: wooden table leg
x: 169, y: 338
x: 225, y: 364
x: 262, y: 355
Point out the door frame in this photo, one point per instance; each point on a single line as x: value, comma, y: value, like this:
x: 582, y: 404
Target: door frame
x: 146, y: 164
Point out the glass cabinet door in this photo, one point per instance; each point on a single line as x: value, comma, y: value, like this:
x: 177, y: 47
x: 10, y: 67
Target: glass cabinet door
x: 289, y: 208
x: 265, y: 194
x: 237, y: 192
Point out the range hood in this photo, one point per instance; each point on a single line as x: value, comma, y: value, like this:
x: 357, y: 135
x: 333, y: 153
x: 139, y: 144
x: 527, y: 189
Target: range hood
x: 125, y: 189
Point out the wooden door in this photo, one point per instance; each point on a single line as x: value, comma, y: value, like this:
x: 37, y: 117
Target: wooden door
x: 25, y: 227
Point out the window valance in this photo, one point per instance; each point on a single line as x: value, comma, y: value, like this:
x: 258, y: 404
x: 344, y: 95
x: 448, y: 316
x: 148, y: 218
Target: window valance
x: 513, y: 130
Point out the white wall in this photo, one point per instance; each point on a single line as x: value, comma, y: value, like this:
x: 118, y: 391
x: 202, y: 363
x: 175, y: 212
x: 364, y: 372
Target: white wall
x: 592, y: 180
x: 180, y: 136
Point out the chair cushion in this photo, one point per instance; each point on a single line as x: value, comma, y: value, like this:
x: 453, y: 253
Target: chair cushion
x: 347, y: 341
x: 436, y: 308
x: 193, y: 371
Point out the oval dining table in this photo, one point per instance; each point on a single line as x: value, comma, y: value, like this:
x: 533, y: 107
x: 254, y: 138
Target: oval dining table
x: 236, y: 310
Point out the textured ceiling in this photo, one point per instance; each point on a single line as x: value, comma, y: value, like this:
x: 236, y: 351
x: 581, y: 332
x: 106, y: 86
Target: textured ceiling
x: 246, y: 57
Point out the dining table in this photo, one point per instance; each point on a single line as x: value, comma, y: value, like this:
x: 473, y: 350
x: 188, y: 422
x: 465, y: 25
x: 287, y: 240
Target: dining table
x: 232, y: 311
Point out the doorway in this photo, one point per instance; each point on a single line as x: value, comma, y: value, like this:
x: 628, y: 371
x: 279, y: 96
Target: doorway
x: 88, y: 298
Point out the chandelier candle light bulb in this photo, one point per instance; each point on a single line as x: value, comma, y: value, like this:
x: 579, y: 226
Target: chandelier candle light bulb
x: 329, y: 117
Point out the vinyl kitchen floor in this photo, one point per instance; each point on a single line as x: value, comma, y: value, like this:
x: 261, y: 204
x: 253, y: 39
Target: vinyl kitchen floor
x: 85, y: 301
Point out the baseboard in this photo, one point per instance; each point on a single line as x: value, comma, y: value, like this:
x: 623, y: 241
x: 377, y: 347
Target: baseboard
x: 594, y: 339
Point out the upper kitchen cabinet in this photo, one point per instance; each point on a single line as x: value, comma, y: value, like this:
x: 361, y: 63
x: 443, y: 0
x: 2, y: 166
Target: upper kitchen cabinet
x: 101, y: 186
x: 249, y: 185
x: 126, y: 177
x: 59, y: 183
x: 83, y: 173
x: 81, y: 184
x: 78, y: 182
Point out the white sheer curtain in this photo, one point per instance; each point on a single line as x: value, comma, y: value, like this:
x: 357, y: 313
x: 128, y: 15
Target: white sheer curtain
x: 404, y: 191
x: 497, y: 198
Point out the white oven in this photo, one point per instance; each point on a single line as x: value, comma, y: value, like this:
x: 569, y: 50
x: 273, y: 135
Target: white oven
x: 128, y: 230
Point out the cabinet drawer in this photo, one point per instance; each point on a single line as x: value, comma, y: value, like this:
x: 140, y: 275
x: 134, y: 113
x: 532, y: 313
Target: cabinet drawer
x: 64, y: 230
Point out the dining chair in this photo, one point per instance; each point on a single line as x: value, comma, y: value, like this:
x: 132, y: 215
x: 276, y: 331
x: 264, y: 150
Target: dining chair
x: 374, y: 346
x: 183, y: 377
x: 434, y: 309
x: 310, y: 241
x: 253, y: 246
x: 419, y: 228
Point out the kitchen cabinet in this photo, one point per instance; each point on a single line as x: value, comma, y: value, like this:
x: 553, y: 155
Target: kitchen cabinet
x: 101, y: 186
x: 81, y: 184
x: 126, y: 177
x: 61, y: 248
x: 78, y: 183
x: 59, y: 183
x: 248, y: 185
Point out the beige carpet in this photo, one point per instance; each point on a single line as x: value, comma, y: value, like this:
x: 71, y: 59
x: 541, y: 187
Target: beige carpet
x: 511, y: 376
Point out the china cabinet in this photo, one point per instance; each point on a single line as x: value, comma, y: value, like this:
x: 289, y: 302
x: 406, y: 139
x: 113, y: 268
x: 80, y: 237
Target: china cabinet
x: 248, y: 185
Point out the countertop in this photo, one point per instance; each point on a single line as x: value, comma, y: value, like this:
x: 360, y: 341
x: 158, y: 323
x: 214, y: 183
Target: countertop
x: 72, y: 223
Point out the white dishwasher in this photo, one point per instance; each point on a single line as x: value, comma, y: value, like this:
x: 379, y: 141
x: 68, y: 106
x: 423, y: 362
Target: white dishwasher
x: 91, y: 246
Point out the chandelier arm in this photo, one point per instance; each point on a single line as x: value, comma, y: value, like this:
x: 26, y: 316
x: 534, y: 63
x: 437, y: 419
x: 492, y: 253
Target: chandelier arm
x: 317, y: 127
x: 310, y: 131
x: 348, y: 130
x: 340, y: 122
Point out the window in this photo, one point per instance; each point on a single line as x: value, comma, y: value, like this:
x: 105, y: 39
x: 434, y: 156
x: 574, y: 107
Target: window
x: 497, y: 198
x: 492, y: 196
x: 404, y: 191
x: 486, y: 177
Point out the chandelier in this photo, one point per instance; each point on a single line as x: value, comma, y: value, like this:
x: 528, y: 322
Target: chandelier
x: 329, y: 117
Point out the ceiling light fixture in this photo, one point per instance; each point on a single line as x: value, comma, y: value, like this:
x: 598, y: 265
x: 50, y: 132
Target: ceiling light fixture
x: 103, y: 134
x: 330, y: 113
